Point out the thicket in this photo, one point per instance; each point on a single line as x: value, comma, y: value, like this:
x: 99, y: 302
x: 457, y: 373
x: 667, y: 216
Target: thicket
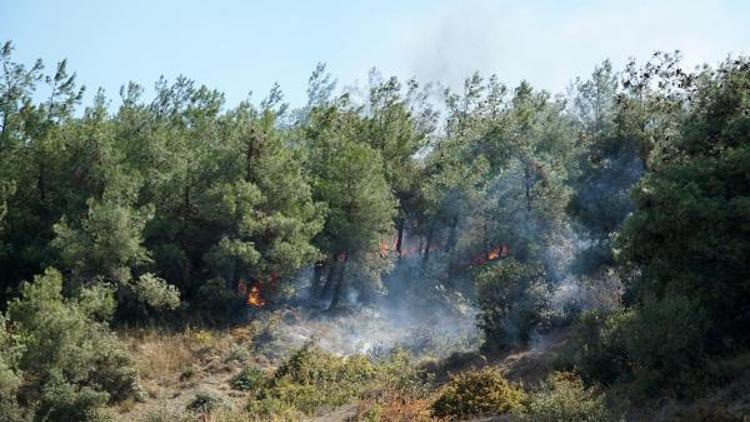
x: 59, y: 359
x: 311, y: 379
x: 477, y: 393
x: 563, y: 397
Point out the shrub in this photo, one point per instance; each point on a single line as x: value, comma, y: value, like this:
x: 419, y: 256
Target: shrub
x: 479, y: 392
x: 312, y: 366
x: 564, y: 398
x: 249, y: 379
x: 271, y: 406
x: 455, y: 362
x: 513, y: 299
x: 666, y: 340
x: 163, y: 412
x: 400, y: 390
x: 155, y: 292
x: 10, y: 379
x: 187, y: 373
x: 218, y: 301
x: 311, y: 378
x: 65, y: 401
x: 237, y: 353
x: 716, y: 412
x: 598, y: 346
x: 205, y: 402
x: 68, y: 364
x: 397, y: 372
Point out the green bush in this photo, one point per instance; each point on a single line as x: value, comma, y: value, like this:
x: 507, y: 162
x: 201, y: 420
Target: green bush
x: 205, y: 403
x: 666, y: 341
x: 564, y: 398
x: 397, y: 372
x: 155, y: 292
x: 61, y: 400
x: 218, y: 301
x: 513, y: 299
x: 311, y: 378
x: 597, y: 349
x: 249, y: 379
x: 10, y: 378
x: 312, y: 366
x: 479, y: 392
x: 269, y: 406
x: 661, y: 342
x: 68, y: 364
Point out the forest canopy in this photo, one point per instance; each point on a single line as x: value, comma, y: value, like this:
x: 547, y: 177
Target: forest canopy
x: 633, y: 188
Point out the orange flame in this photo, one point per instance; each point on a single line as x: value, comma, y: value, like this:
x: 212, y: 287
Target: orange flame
x: 254, y: 298
x: 495, y: 253
x: 384, y: 247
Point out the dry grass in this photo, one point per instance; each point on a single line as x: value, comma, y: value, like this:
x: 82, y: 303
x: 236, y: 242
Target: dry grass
x: 158, y: 356
x: 174, y: 366
x: 227, y: 415
x: 395, y: 408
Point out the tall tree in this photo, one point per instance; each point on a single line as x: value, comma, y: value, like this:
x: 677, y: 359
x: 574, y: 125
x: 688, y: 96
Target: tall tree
x: 33, y: 179
x: 392, y: 129
x: 688, y: 234
x: 348, y: 177
x: 262, y: 199
x: 607, y: 165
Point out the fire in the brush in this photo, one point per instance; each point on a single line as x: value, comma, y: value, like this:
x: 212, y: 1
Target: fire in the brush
x: 384, y: 248
x: 254, y: 298
x: 494, y: 254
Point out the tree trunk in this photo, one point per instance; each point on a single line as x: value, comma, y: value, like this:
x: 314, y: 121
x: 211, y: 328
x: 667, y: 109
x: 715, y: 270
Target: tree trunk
x: 231, y: 282
x: 186, y: 205
x: 41, y: 186
x: 317, y: 277
x: 330, y: 279
x: 528, y: 184
x: 428, y: 244
x: 452, y: 235
x: 338, y: 293
x: 400, y: 238
x: 252, y: 152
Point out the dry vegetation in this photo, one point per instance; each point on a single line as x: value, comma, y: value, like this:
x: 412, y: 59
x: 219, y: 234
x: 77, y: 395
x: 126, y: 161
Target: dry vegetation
x: 176, y: 367
x: 230, y: 375
x: 503, y: 252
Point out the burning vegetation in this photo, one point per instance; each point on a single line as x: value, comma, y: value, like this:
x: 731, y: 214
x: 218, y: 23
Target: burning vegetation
x: 407, y: 240
x: 254, y: 297
x: 492, y: 255
x: 260, y: 288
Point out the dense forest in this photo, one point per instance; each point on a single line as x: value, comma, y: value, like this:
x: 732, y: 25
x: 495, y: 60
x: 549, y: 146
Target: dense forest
x: 602, y: 234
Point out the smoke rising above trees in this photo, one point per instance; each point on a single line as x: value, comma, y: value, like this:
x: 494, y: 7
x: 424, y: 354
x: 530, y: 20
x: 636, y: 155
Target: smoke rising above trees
x: 619, y: 205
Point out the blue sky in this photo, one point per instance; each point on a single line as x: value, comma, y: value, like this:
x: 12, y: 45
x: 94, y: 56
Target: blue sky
x: 239, y: 46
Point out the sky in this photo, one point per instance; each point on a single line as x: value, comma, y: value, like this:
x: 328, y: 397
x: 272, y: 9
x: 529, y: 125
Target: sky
x: 242, y: 46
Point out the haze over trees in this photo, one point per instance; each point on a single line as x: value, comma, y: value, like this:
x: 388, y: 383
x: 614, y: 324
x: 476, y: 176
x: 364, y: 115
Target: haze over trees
x: 632, y: 191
